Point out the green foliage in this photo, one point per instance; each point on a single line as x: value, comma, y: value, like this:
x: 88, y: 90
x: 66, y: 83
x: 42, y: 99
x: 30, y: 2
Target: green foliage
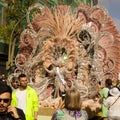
x: 18, y: 9
x: 5, y: 32
x: 15, y: 19
x: 73, y: 3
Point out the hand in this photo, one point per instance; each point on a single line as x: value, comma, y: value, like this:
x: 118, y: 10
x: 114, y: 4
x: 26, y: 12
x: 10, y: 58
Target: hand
x: 13, y: 111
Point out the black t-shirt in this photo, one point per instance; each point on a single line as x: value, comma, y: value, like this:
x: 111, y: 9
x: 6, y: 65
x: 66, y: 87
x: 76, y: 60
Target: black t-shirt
x: 9, y: 117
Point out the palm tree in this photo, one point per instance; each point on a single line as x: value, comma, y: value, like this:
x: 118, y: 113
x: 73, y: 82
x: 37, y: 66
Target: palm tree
x: 16, y: 15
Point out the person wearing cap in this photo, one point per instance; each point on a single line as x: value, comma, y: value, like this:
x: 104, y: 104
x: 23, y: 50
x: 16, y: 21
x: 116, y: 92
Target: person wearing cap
x: 113, y: 104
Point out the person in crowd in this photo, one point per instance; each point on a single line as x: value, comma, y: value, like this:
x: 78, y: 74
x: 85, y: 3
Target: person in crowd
x: 72, y: 107
x: 26, y: 98
x: 104, y: 92
x: 113, y: 104
x: 50, y: 90
x: 3, y: 79
x: 99, y: 86
x: 118, y: 84
x: 14, y: 83
x: 7, y: 111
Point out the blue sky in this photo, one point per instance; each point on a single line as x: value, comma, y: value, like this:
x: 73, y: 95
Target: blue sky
x: 113, y: 8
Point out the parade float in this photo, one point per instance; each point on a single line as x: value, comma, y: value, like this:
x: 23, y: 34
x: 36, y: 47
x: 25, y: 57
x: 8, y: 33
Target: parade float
x: 63, y: 46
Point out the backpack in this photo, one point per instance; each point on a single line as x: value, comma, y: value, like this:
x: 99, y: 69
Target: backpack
x: 58, y: 115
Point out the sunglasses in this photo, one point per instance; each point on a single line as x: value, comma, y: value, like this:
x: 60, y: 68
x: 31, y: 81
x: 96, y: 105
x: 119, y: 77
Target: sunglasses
x: 6, y: 100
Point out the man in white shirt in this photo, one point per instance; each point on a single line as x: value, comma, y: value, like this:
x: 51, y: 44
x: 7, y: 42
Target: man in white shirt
x: 26, y: 98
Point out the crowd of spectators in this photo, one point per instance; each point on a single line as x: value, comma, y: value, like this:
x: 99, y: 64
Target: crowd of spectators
x: 25, y: 98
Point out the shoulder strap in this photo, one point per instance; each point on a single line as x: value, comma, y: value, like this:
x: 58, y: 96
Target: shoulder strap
x: 114, y: 102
